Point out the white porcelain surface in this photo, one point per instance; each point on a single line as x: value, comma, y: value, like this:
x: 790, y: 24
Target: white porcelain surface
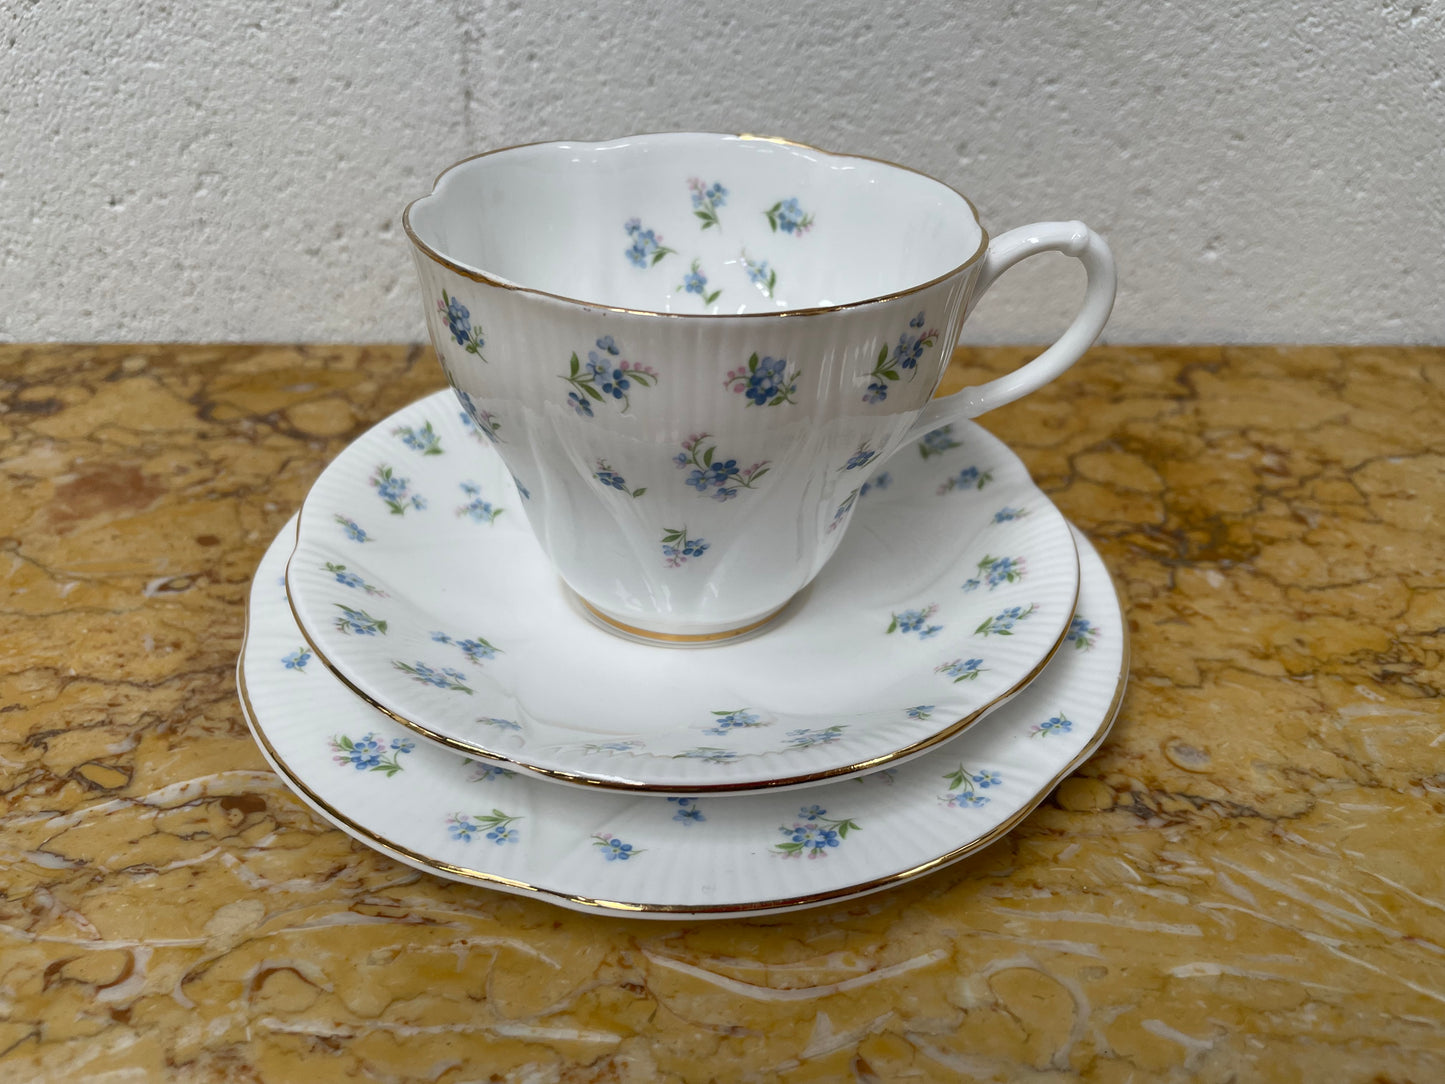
x: 658, y: 857
x: 773, y: 317
x: 416, y: 578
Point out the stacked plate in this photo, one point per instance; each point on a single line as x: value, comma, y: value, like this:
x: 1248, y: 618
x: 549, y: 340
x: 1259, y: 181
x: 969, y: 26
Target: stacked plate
x: 419, y: 675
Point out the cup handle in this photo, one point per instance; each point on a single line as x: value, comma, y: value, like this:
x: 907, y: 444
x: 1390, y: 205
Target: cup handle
x: 1073, y: 239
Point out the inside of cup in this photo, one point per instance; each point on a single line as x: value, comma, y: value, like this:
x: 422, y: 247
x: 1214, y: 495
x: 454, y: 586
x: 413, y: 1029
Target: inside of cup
x: 695, y: 223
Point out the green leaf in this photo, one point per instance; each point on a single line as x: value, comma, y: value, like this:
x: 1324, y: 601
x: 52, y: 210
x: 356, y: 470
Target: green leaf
x: 759, y: 474
x: 708, y: 299
x: 753, y: 362
x: 882, y: 354
x: 381, y: 627
x: 576, y: 365
x: 889, y: 374
x: 893, y: 625
x: 590, y: 390
x: 639, y: 492
x: 707, y: 456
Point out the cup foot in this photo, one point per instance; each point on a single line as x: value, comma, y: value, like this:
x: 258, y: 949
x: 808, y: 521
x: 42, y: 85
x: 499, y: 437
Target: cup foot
x: 675, y: 639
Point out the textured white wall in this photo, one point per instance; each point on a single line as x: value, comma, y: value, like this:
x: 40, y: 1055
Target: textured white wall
x: 232, y: 169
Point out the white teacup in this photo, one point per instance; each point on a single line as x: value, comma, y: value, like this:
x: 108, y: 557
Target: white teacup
x: 692, y: 350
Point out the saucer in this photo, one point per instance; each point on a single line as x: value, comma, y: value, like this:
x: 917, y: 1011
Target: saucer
x: 416, y: 579
x: 651, y: 856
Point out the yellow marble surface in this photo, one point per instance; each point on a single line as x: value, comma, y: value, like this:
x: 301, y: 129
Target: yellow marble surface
x: 1247, y: 883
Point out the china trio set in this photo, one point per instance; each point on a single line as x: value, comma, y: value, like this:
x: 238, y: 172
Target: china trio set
x: 689, y: 598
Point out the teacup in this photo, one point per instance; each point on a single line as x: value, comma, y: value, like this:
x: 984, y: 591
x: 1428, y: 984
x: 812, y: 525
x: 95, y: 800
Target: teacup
x: 693, y: 350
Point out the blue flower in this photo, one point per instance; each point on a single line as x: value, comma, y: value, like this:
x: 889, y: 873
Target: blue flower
x: 297, y: 660
x: 812, y: 812
x: 881, y: 480
x: 502, y: 834
x: 353, y: 532
x: 349, y: 579
x: 695, y: 547
x: 876, y: 393
x: 440, y: 638
x: 461, y: 828
x: 987, y: 779
x: 580, y: 404
x: 717, y: 195
x: 614, y: 383
x: 758, y: 273
x: 638, y: 255
x: 1058, y: 724
x: 459, y: 321
x: 724, y: 494
x: 477, y: 650
x: 861, y: 458
x: 1005, y: 515
x: 680, y: 459
x: 767, y: 380
x: 606, y: 343
x: 687, y: 810
x: 694, y: 282
x: 403, y: 745
x: 917, y: 321
x: 921, y: 711
x: 365, y: 753
x: 697, y: 479
x: 611, y: 478
x: 614, y: 849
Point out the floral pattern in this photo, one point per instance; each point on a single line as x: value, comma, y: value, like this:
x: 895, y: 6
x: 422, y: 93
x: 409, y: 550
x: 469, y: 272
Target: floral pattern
x: 1008, y: 514
x: 916, y: 621
x: 906, y: 355
x: 724, y: 722
x: 1058, y: 724
x: 610, y: 478
x: 937, y: 441
x: 881, y: 480
x: 764, y: 381
x: 687, y: 811
x: 611, y: 747
x: 706, y: 199
x: 352, y: 580
x: 613, y: 849
x: 358, y: 622
x: 369, y: 753
x: 445, y: 678
x: 961, y: 669
x: 806, y: 739
x: 841, y: 512
x: 968, y: 478
x: 477, y: 651
x: 760, y: 274
x: 500, y: 724
x: 1002, y: 623
x: 919, y: 711
x: 395, y: 492
x: 710, y: 754
x: 1082, y: 634
x: 478, y: 422
x: 297, y: 660
x: 813, y: 833
x: 786, y: 215
x: 477, y: 509
x: 993, y: 571
x: 695, y: 282
x: 425, y: 440
x: 647, y: 248
x: 964, y: 787
x: 607, y: 375
x: 496, y: 825
x: 482, y: 772
x: 353, y: 532
x: 722, y: 477
x: 677, y: 547
x: 459, y: 323
x: 861, y: 458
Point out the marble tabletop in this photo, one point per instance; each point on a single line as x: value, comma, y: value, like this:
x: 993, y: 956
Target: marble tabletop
x: 1246, y: 883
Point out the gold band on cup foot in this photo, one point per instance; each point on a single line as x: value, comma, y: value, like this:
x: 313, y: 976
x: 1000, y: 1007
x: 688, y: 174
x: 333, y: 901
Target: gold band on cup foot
x: 677, y: 638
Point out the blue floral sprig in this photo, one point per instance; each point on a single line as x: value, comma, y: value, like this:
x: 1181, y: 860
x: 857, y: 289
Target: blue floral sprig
x: 425, y: 440
x: 713, y: 476
x: 478, y: 422
x: 964, y: 787
x: 1008, y: 514
x: 352, y: 580
x: 1082, y: 633
x: 477, y: 650
x: 995, y: 571
x: 647, y: 247
x: 725, y: 722
x: 477, y: 509
x: 1058, y: 724
x: 760, y: 274
x: 358, y: 622
x: 687, y: 811
x: 611, y: 748
x: 459, y: 323
x: 937, y: 441
x: 706, y: 199
x: 961, y: 669
x: 353, y: 531
x: 695, y: 282
x: 919, y: 711
x: 841, y: 512
x: 297, y: 660
x: 445, y: 678
x: 369, y: 753
x: 906, y: 355
x: 613, y: 849
x: 677, y: 547
x: 708, y: 753
x: 968, y: 478
x: 1003, y: 622
x: 786, y: 215
x: 881, y: 480
x: 607, y: 375
x: 612, y: 480
x: 807, y: 739
x: 395, y: 492
x: 916, y: 621
x: 813, y: 833
x: 482, y: 772
x: 859, y: 459
x: 765, y: 381
x: 496, y: 825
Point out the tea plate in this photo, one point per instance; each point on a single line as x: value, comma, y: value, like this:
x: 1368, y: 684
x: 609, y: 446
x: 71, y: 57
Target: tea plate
x: 416, y: 579
x: 652, y: 856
